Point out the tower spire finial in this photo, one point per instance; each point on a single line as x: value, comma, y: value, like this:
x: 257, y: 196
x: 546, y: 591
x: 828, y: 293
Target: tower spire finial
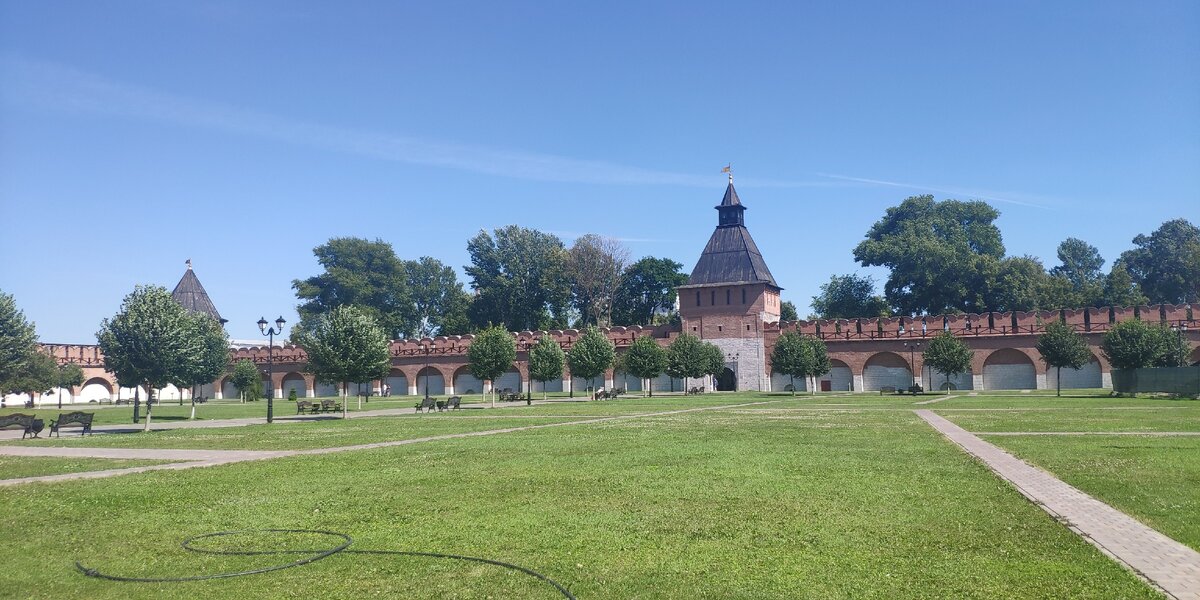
x: 188, y: 262
x: 729, y: 169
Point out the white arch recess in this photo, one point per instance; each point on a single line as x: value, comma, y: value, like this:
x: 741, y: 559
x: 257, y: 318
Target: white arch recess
x: 431, y: 379
x: 1009, y: 369
x: 464, y: 383
x: 327, y: 390
x: 1088, y: 376
x: 780, y: 383
x: 886, y: 369
x: 229, y: 391
x: 95, y: 390
x: 511, y: 379
x: 294, y: 382
x: 398, y: 383
x: 631, y: 383
x: 665, y: 383
x: 840, y: 377
x: 936, y: 380
x: 554, y: 385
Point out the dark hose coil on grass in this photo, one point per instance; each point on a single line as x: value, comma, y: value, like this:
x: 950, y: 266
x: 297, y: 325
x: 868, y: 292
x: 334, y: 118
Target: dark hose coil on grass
x: 313, y: 556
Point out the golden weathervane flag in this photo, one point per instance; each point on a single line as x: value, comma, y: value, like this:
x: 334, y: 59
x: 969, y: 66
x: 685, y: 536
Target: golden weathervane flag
x: 728, y: 168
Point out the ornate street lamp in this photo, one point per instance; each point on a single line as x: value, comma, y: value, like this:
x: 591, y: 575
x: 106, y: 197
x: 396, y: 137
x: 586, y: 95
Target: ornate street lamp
x: 912, y: 368
x: 271, y: 332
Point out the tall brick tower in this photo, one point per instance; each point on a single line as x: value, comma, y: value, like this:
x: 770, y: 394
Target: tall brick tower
x: 729, y: 297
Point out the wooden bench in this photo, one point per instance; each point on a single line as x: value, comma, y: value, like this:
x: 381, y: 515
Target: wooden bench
x: 452, y: 403
x: 887, y: 389
x: 31, y: 425
x: 77, y: 418
x: 304, y: 406
x: 426, y: 405
x: 330, y: 406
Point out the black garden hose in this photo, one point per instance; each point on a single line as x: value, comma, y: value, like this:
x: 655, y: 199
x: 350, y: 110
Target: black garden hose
x: 311, y: 556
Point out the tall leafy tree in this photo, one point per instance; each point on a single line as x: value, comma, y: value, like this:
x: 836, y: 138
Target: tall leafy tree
x: 1017, y: 284
x: 646, y: 360
x: 520, y: 278
x: 346, y: 345
x: 148, y: 342
x: 1061, y: 346
x: 1079, y: 270
x: 791, y: 357
x: 818, y: 360
x: 1136, y: 344
x: 68, y: 375
x: 947, y: 355
x: 490, y: 354
x: 36, y: 376
x: 247, y: 379
x: 18, y: 339
x: 939, y: 254
x: 595, y: 265
x: 591, y: 355
x: 714, y: 359
x: 1120, y: 289
x: 212, y: 359
x: 1166, y: 264
x: 787, y: 311
x: 686, y: 357
x: 848, y: 297
x: 359, y: 273
x: 546, y: 361
x: 439, y: 301
x: 647, y: 291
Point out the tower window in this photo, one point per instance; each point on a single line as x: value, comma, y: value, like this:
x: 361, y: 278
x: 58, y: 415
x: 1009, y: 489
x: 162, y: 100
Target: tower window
x: 712, y: 297
x: 728, y: 294
x: 720, y: 328
x: 743, y: 295
x: 697, y: 298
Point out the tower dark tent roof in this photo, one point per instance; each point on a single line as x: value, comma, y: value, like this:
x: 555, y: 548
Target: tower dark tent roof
x: 190, y: 294
x: 731, y: 256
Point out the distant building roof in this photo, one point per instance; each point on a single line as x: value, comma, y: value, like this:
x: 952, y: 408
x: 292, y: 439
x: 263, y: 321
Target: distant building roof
x: 731, y: 256
x: 190, y: 294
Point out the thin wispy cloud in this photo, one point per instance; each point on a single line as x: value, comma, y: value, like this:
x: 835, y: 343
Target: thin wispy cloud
x: 971, y: 194
x: 43, y: 85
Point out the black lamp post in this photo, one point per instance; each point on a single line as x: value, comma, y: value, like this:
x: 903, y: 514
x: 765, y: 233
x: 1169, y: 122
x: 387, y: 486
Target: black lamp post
x: 271, y: 332
x: 427, y: 349
x: 912, y: 365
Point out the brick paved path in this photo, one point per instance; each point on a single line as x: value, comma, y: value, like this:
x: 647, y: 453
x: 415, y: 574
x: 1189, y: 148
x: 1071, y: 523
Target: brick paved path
x: 209, y: 458
x: 1139, y: 433
x: 1163, y: 562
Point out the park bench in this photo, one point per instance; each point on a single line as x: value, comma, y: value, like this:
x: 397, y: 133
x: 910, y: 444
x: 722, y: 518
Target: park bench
x: 452, y: 403
x: 304, y: 406
x: 616, y: 392
x: 29, y: 423
x: 330, y: 406
x: 426, y: 405
x: 78, y: 418
x: 887, y: 389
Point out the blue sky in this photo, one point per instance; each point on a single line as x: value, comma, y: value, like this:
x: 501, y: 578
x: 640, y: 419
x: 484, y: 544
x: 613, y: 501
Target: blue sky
x: 135, y: 135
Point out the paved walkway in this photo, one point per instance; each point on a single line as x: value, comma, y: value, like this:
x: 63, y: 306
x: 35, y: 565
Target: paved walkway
x: 1138, y: 433
x: 209, y: 458
x: 1163, y: 562
x: 947, y: 397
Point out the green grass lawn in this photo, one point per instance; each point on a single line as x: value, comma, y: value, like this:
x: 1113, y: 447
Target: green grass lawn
x: 16, y: 467
x: 1155, y: 479
x: 787, y: 500
x: 1179, y: 416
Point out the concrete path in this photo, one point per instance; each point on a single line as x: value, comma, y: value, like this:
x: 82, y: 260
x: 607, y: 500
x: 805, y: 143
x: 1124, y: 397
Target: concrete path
x: 209, y: 458
x: 1171, y: 567
x: 1137, y: 433
x: 947, y: 397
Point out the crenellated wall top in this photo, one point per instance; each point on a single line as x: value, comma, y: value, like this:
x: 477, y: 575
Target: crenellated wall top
x: 989, y: 323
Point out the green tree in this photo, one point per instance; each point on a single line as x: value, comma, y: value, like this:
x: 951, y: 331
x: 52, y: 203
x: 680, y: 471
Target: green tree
x: 787, y: 311
x: 212, y: 359
x: 546, y: 360
x: 37, y: 376
x: 1120, y: 289
x: 948, y: 355
x: 818, y: 360
x: 686, y: 357
x: 848, y: 297
x: 646, y: 360
x: 647, y: 291
x: 439, y: 301
x: 247, y: 380
x: 148, y: 342
x: 1060, y: 346
x: 68, y: 375
x: 18, y: 339
x: 939, y: 253
x: 595, y: 266
x: 1166, y: 264
x: 359, y: 273
x: 1136, y: 344
x: 347, y: 345
x: 490, y: 354
x: 591, y: 355
x: 1079, y: 269
x: 1017, y: 284
x: 791, y: 357
x: 520, y: 279
x: 714, y: 359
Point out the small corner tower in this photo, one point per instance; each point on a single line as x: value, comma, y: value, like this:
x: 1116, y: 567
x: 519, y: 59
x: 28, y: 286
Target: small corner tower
x: 190, y: 294
x: 730, y: 295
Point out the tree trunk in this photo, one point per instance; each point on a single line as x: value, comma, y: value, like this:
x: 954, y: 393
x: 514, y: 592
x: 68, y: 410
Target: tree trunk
x: 345, y: 399
x: 792, y: 382
x: 137, y: 401
x: 149, y: 406
x: 1058, y: 383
